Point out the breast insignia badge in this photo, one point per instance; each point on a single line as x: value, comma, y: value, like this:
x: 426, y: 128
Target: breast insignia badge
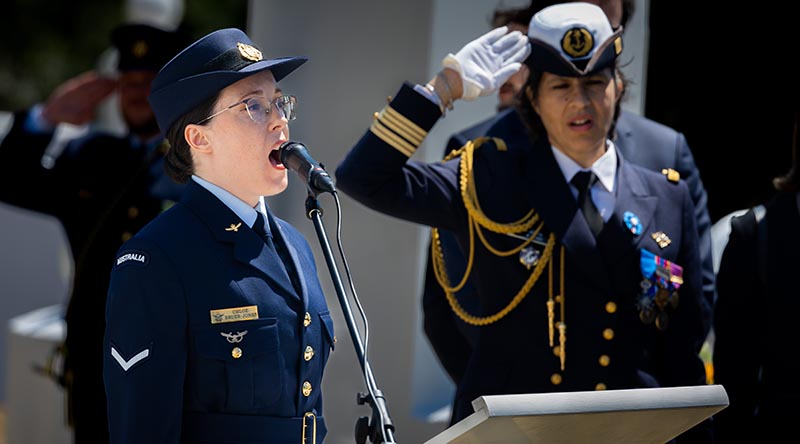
x: 633, y: 223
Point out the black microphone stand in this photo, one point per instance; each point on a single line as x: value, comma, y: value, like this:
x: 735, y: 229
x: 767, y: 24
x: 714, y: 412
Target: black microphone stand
x: 380, y: 428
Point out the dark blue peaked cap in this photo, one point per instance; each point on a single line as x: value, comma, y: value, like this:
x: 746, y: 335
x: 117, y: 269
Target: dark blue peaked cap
x: 207, y: 66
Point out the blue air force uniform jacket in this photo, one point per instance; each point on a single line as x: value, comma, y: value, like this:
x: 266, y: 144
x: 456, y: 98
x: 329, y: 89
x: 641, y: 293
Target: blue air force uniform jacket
x: 207, y: 340
x: 607, y: 345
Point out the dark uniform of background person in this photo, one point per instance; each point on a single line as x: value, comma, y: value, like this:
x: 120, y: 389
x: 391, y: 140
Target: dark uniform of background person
x: 641, y: 141
x: 102, y: 188
x: 217, y: 326
x: 603, y: 334
x: 756, y: 313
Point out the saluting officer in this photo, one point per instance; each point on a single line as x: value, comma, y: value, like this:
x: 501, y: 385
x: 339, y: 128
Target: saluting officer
x: 217, y: 327
x: 586, y: 266
x: 102, y: 188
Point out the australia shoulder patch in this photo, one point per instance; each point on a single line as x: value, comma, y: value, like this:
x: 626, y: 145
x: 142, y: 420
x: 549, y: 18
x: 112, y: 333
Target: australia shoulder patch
x: 131, y: 257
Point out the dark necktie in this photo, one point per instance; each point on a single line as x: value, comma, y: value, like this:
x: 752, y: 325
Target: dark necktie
x: 280, y: 249
x: 583, y: 181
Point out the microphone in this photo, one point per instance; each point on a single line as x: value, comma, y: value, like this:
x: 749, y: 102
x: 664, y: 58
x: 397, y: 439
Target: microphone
x: 294, y: 156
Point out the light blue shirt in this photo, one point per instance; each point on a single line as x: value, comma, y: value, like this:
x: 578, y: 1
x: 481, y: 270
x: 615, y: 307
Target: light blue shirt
x: 605, y: 168
x: 243, y: 210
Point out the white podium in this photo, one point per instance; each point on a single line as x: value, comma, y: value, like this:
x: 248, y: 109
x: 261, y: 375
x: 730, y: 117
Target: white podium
x: 35, y: 404
x: 641, y: 416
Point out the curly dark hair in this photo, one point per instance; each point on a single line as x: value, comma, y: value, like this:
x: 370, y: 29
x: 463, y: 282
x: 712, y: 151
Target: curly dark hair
x: 178, y: 161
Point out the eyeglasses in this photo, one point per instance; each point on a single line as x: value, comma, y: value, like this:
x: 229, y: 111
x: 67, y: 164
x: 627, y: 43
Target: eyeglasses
x: 258, y: 108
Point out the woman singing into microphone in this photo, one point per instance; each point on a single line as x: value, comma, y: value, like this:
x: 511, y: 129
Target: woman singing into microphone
x: 217, y: 326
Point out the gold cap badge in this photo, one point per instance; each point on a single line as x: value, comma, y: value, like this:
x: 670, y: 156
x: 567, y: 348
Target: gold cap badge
x: 249, y: 52
x: 577, y: 42
x: 139, y: 49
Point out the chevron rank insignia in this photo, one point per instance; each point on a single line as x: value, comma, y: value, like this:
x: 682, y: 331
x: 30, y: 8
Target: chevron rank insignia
x: 126, y: 364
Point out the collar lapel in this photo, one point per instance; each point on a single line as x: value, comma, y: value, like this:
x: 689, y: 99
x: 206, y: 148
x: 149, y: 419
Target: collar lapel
x: 278, y: 230
x: 225, y: 225
x: 549, y: 194
x: 632, y: 196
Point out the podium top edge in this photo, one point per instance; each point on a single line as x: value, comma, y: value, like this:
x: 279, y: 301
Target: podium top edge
x: 602, y: 401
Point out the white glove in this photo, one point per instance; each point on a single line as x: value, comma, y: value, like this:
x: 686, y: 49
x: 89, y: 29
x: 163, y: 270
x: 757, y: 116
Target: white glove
x: 488, y: 61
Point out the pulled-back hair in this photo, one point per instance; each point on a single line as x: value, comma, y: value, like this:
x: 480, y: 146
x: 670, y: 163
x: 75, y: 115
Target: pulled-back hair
x: 178, y: 162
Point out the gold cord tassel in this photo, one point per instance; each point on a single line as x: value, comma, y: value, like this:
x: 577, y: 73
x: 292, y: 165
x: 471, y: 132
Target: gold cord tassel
x: 562, y: 343
x: 551, y: 315
x: 562, y: 326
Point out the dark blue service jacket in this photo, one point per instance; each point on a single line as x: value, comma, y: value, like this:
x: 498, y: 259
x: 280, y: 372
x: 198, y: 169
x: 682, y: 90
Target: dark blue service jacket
x: 206, y: 338
x: 607, y: 346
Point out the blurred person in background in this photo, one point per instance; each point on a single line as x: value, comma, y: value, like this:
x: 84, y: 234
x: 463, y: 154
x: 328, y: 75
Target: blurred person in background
x: 758, y: 300
x: 102, y: 188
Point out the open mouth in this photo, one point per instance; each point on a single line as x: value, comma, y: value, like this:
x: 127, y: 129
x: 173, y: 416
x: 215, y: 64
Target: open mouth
x: 275, y: 159
x: 581, y: 123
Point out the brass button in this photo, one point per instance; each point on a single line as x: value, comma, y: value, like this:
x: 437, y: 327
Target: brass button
x: 555, y: 379
x: 126, y: 235
x: 611, y: 307
x: 557, y: 350
x: 307, y: 320
x: 600, y: 386
x: 604, y: 360
x: 236, y: 352
x: 133, y: 212
x: 608, y: 333
x: 309, y: 353
x: 375, y: 115
x: 306, y: 388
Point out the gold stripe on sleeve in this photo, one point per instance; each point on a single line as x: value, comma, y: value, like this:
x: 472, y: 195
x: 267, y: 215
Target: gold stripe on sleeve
x: 392, y: 139
x: 401, y: 125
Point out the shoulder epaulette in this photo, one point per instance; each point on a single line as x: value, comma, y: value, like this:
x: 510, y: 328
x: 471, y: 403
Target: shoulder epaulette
x: 672, y: 175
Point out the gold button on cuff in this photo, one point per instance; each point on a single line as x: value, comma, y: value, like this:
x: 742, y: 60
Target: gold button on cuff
x: 133, y: 212
x: 608, y: 334
x: 604, y: 360
x: 307, y: 320
x: 236, y: 352
x: 309, y: 353
x: 611, y: 307
x: 126, y: 235
x: 600, y: 386
x: 306, y: 388
x: 555, y: 379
